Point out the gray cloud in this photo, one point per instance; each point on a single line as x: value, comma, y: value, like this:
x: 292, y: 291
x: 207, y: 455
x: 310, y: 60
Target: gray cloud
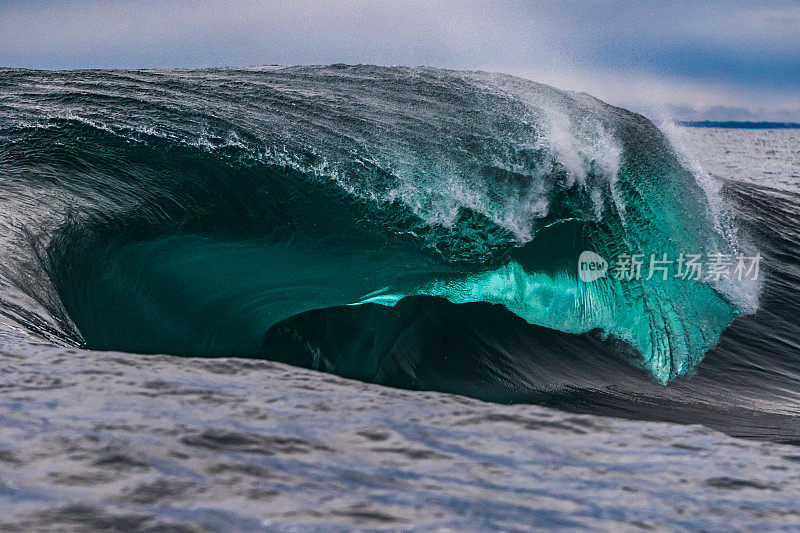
x: 685, y: 59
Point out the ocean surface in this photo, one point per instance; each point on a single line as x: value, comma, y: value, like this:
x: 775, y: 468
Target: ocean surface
x: 348, y: 297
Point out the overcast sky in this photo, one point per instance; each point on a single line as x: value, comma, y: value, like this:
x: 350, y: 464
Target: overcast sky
x: 718, y: 60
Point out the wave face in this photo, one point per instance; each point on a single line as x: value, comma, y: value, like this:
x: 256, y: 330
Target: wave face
x: 242, y: 212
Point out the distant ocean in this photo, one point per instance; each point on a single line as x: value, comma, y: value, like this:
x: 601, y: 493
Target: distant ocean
x: 740, y: 125
x: 307, y: 298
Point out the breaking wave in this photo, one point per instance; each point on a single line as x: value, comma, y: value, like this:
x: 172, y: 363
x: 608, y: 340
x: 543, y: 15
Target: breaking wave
x: 244, y: 212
